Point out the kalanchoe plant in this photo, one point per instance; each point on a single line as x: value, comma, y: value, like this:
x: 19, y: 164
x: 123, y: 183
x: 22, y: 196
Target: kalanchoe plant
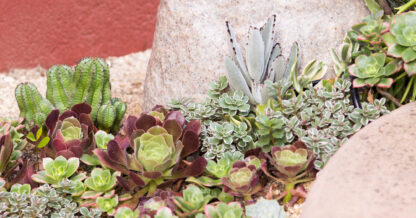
x: 71, y: 133
x: 290, y: 163
x: 371, y: 70
x: 158, y: 151
x: 193, y: 200
x: 101, y: 182
x: 401, y: 40
x: 242, y: 181
x: 232, y: 210
x: 56, y: 170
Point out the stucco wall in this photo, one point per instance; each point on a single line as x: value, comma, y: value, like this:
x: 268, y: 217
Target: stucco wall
x: 48, y: 32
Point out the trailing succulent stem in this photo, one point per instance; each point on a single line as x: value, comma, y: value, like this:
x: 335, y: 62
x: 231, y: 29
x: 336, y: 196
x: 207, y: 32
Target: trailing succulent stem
x: 90, y: 83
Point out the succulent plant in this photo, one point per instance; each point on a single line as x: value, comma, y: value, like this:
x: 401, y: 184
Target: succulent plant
x: 290, y: 163
x: 33, y: 107
x: 221, y: 168
x: 90, y: 213
x: 222, y: 210
x: 90, y: 83
x: 371, y: 29
x: 401, y: 40
x: 45, y: 201
x: 371, y: 70
x: 165, y: 212
x: 405, y: 5
x: 225, y: 137
x: 21, y: 189
x: 265, y: 208
x: 263, y: 62
x: 322, y: 118
x: 234, y: 102
x: 56, y: 170
x: 71, y: 133
x: 107, y: 205
x: 102, y: 138
x: 158, y: 151
x: 345, y: 58
x: 193, y: 200
x: 100, y: 182
x: 242, y: 180
x: 125, y: 212
x: 269, y: 126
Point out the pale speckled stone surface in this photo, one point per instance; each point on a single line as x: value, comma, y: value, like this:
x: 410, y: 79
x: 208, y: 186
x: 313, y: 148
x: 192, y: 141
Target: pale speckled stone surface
x: 190, y: 41
x: 373, y: 175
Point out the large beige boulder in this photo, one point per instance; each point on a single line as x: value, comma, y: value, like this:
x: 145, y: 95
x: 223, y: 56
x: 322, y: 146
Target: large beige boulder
x: 191, y: 39
x: 373, y: 175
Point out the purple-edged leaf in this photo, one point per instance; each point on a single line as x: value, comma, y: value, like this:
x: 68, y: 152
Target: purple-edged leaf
x: 91, y: 195
x: 6, y: 149
x: 123, y: 142
x: 145, y: 122
x: 59, y: 143
x: 410, y: 68
x: 85, y: 119
x: 106, y: 161
x: 300, y: 144
x: 173, y: 128
x: 124, y: 197
x: 190, y: 142
x: 152, y: 175
x: 89, y: 203
x: 358, y: 83
x: 253, y: 152
x: 67, y: 114
x: 385, y: 83
x: 136, y: 179
x: 124, y: 183
x: 177, y: 116
x: 396, y: 50
x: 116, y: 153
x: 109, y: 194
x: 65, y: 153
x: 196, y: 168
x: 51, y: 120
x: 82, y: 108
x: 409, y: 55
x: 129, y: 125
x: 193, y: 126
x: 77, y: 150
x: 239, y: 164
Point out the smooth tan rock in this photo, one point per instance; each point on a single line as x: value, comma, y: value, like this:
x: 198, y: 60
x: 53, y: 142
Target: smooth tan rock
x: 373, y: 175
x: 191, y: 40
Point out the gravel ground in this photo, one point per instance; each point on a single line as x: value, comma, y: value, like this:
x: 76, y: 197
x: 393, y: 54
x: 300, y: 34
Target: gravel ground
x: 127, y: 75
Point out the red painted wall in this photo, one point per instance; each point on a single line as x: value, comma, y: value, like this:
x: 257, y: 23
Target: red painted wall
x: 49, y: 32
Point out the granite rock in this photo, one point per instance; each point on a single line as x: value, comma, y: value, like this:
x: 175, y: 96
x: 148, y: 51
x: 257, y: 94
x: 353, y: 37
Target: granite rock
x: 372, y: 175
x: 191, y: 40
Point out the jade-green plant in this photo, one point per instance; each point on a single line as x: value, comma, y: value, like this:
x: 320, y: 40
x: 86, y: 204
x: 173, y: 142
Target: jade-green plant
x: 165, y: 212
x: 193, y: 200
x: 269, y: 126
x: 220, y: 168
x: 266, y: 208
x: 125, y: 212
x: 370, y: 30
x: 226, y: 137
x: 90, y: 213
x: 401, y: 40
x: 346, y: 51
x: 56, y: 170
x: 102, y: 138
x: 107, y: 205
x: 232, y: 210
x: 372, y: 70
x: 234, y: 103
x: 33, y: 107
x: 89, y: 83
x: 100, y: 182
x: 291, y: 163
x: 242, y: 181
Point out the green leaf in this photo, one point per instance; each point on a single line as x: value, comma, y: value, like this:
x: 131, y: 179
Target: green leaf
x: 385, y: 83
x: 91, y: 160
x: 31, y: 137
x: 43, y: 142
x: 389, y: 39
x: 409, y: 55
x: 396, y: 50
x: 373, y: 6
x: 265, y: 208
x: 410, y: 68
x: 39, y: 133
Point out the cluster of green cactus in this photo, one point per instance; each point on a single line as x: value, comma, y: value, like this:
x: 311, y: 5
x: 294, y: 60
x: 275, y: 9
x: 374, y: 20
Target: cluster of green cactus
x: 89, y: 83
